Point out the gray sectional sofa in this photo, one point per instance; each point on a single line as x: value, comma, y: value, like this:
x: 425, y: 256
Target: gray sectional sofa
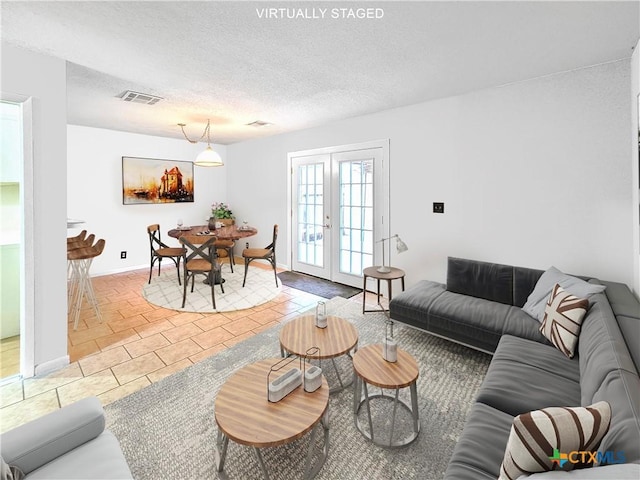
x: 70, y: 443
x: 481, y: 307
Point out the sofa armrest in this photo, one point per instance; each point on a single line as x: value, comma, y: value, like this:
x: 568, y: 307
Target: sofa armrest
x: 36, y: 443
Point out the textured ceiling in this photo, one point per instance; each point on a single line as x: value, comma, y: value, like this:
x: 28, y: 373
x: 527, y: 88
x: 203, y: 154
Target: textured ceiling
x: 221, y: 60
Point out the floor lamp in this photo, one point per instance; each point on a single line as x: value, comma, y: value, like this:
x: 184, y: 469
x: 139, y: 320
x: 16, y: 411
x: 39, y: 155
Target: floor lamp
x: 400, y: 247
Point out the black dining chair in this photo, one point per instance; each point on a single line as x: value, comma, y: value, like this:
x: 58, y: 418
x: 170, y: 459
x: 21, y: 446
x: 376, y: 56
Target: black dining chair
x: 267, y: 253
x: 200, y: 257
x: 160, y: 250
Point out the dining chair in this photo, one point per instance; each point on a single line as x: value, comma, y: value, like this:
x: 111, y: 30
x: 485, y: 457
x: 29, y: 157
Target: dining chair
x: 160, y: 250
x: 225, y: 250
x: 80, y: 260
x: 200, y: 257
x: 266, y: 253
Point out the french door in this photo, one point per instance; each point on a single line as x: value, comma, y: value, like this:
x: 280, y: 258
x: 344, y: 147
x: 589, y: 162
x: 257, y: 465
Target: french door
x: 339, y: 206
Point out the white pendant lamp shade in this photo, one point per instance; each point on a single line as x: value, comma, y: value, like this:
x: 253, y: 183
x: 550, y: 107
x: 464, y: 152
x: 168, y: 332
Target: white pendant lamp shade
x: 208, y: 158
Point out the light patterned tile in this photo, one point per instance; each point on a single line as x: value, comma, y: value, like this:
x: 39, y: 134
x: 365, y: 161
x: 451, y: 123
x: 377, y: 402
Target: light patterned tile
x: 82, y: 336
x: 153, y: 328
x: 27, y: 410
x: 136, y: 368
x: 146, y: 345
x: 238, y: 339
x: 86, y: 387
x: 212, y: 337
x: 185, y: 317
x: 265, y: 316
x: 287, y: 307
x: 76, y: 352
x: 241, y: 326
x: 117, y: 339
x: 207, y: 353
x: 169, y: 370
x: 37, y: 385
x: 127, y: 323
x: 178, y: 351
x: 102, y: 360
x: 212, y: 321
x: 127, y: 389
x: 182, y: 332
x: 11, y: 393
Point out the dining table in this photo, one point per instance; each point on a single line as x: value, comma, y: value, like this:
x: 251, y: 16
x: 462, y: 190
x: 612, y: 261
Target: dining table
x: 230, y: 232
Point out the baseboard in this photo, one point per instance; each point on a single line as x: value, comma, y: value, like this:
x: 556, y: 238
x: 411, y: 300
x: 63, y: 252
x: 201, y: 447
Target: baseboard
x: 122, y: 270
x: 51, y: 366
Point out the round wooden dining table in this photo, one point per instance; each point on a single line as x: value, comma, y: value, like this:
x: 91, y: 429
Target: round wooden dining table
x: 232, y: 232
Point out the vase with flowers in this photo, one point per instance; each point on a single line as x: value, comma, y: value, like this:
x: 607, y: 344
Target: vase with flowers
x: 220, y: 213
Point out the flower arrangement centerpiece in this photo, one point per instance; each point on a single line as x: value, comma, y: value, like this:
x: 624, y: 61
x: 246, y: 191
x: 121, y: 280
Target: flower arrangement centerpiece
x: 220, y: 212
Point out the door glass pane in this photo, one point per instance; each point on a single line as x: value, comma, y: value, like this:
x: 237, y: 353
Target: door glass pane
x: 310, y: 214
x: 356, y: 215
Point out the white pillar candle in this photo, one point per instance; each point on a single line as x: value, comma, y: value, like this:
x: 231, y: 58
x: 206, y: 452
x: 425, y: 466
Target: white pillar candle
x: 390, y: 350
x: 321, y: 320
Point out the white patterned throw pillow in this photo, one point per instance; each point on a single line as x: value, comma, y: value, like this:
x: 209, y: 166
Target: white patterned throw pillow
x: 562, y: 319
x: 547, y: 439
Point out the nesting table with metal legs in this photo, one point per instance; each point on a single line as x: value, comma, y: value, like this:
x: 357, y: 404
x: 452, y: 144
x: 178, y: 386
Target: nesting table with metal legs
x: 370, y: 369
x: 339, y: 338
x: 244, y: 414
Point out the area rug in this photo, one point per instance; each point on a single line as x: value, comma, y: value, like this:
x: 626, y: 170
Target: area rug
x: 317, y: 286
x: 260, y: 288
x: 168, y: 430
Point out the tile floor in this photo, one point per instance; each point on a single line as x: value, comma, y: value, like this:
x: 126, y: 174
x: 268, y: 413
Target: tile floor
x: 137, y: 344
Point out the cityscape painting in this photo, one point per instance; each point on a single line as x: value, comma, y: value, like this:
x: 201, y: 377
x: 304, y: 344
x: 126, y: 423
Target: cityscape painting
x: 150, y: 180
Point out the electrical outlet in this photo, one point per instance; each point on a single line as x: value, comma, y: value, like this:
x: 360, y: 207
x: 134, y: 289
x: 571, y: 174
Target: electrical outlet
x: 438, y: 207
x: 123, y: 254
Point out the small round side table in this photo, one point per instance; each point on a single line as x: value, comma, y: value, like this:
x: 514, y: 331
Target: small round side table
x: 394, y: 274
x: 371, y: 369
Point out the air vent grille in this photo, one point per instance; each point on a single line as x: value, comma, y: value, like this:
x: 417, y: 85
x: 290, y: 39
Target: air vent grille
x: 137, y: 97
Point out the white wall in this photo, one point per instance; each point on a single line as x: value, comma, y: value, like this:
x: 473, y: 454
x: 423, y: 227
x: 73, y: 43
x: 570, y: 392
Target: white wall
x: 635, y: 120
x: 94, y: 193
x: 44, y: 79
x: 536, y: 173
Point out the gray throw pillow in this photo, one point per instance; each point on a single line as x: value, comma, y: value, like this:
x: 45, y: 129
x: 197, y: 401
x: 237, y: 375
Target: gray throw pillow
x: 537, y: 300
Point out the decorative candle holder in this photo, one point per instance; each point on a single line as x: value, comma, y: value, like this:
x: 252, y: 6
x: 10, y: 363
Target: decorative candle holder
x: 389, y: 346
x: 321, y: 315
x: 312, y: 375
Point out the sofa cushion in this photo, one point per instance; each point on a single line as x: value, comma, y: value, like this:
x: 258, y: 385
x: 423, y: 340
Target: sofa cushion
x: 524, y: 281
x: 520, y: 324
x: 100, y: 458
x: 621, y: 389
x: 480, y: 450
x: 38, y: 442
x: 601, y: 348
x: 412, y: 305
x: 538, y: 439
x: 538, y: 298
x: 468, y: 320
x: 563, y: 316
x: 490, y: 281
x: 525, y: 376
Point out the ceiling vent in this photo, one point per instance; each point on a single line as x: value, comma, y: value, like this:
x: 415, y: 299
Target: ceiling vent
x: 137, y: 97
x: 259, y: 123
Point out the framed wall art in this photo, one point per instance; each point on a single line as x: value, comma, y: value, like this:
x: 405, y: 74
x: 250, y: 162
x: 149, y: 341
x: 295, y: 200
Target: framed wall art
x: 151, y: 180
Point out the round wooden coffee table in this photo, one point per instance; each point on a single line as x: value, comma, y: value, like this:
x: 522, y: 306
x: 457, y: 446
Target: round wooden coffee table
x: 339, y: 338
x: 370, y: 368
x: 245, y: 415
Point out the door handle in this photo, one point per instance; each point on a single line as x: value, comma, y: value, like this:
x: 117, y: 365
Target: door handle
x: 326, y: 225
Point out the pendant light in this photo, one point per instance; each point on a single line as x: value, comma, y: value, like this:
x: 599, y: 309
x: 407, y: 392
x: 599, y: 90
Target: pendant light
x: 209, y: 157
